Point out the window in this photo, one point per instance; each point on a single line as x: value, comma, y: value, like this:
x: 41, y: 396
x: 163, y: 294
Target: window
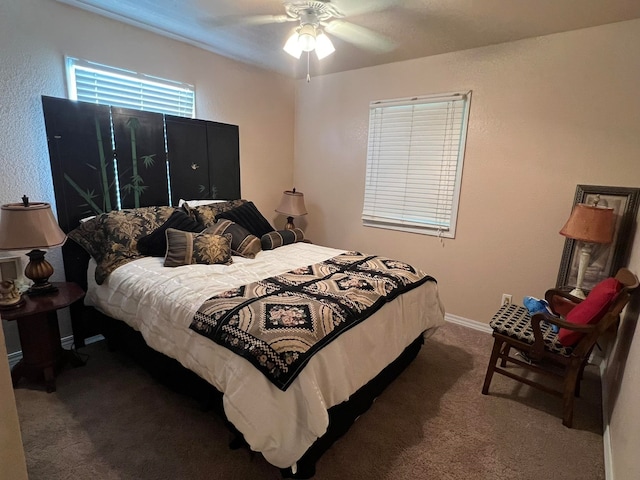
x: 414, y: 163
x: 95, y: 83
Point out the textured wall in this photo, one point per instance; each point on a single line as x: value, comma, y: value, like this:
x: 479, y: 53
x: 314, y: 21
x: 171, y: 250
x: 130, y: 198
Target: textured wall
x: 35, y: 35
x: 546, y: 114
x: 622, y: 383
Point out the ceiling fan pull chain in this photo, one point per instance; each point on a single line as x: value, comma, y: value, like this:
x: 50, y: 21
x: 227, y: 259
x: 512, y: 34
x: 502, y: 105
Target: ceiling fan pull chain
x: 308, y: 76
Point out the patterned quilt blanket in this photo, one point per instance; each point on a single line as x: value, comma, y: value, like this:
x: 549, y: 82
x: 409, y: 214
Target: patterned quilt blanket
x: 278, y: 323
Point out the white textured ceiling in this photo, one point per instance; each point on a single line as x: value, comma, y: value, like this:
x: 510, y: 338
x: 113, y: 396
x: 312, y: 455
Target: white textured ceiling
x: 416, y: 28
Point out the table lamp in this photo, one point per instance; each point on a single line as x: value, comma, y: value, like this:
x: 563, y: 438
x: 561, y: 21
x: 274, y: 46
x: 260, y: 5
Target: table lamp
x: 31, y: 225
x: 291, y: 205
x: 588, y: 224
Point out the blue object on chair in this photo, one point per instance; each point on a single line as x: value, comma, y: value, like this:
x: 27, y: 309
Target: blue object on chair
x: 535, y: 305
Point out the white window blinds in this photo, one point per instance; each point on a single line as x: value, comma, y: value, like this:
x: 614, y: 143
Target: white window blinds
x: 414, y: 163
x: 91, y: 82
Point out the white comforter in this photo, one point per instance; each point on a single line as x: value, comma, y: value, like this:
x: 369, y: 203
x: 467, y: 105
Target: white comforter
x: 160, y: 302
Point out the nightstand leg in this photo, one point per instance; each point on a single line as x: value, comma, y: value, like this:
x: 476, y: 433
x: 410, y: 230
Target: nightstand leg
x: 71, y: 357
x: 42, y: 353
x: 50, y: 379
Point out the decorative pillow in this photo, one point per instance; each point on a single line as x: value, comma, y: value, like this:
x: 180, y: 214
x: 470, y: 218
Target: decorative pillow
x: 90, y: 236
x: 590, y: 310
x: 155, y: 244
x: 249, y: 217
x: 111, y: 238
x: 278, y: 238
x: 242, y: 242
x: 186, y: 248
x: 206, y: 214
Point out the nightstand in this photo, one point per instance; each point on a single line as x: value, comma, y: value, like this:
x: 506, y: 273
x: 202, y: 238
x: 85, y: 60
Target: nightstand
x: 42, y: 352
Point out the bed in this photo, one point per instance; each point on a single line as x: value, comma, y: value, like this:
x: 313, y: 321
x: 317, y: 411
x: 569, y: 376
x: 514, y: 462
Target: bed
x: 290, y: 408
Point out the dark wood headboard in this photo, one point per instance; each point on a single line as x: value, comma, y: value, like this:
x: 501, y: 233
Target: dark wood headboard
x: 107, y: 158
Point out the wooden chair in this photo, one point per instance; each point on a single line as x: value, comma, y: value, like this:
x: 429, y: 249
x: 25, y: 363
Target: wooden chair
x: 539, y: 347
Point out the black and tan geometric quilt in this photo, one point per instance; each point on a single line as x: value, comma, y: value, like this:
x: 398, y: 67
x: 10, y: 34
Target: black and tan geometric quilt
x: 278, y: 323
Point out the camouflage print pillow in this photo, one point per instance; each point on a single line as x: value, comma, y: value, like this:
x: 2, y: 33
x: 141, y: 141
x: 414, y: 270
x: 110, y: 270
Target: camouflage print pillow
x: 112, y: 238
x: 90, y: 236
x: 186, y: 248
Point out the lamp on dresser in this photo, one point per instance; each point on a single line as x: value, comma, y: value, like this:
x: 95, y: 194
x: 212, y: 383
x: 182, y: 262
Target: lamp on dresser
x: 31, y: 225
x: 291, y: 205
x: 588, y: 224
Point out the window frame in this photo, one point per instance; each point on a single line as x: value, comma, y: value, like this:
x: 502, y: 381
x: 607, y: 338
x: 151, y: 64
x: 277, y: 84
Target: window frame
x: 424, y: 226
x: 72, y: 64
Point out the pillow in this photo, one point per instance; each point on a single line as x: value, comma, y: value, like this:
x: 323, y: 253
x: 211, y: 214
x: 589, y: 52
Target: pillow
x: 249, y: 217
x: 90, y: 236
x: 197, y: 203
x: 242, y: 242
x: 276, y: 239
x: 590, y: 310
x: 206, y: 214
x: 155, y: 244
x: 186, y: 248
x: 111, y: 238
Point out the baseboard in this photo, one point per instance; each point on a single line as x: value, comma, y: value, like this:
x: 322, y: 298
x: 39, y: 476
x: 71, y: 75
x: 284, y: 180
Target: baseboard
x: 465, y: 322
x: 66, y: 342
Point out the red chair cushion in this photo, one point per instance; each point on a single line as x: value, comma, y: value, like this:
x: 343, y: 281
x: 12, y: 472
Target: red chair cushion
x: 590, y: 310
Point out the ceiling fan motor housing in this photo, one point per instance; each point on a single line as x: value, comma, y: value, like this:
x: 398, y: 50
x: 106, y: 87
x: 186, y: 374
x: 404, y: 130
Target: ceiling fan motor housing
x: 312, y: 12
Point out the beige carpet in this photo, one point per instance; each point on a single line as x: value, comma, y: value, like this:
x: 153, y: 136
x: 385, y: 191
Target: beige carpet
x: 110, y: 420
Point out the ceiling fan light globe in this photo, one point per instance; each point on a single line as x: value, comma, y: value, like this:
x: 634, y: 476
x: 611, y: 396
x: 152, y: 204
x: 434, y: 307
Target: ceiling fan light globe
x: 307, y: 38
x: 324, y: 46
x: 292, y: 47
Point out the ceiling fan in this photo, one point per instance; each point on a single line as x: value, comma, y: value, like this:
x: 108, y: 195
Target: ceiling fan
x: 317, y: 17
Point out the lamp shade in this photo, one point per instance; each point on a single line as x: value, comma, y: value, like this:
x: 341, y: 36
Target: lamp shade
x: 29, y: 225
x: 324, y: 47
x: 292, y: 204
x: 292, y: 47
x: 307, y: 38
x: 589, y: 223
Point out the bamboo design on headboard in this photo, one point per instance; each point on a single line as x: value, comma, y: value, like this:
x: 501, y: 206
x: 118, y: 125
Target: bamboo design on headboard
x: 136, y: 185
x: 106, y: 158
x: 89, y: 195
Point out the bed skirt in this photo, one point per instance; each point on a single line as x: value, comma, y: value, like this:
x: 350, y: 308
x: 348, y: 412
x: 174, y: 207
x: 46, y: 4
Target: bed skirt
x: 172, y: 374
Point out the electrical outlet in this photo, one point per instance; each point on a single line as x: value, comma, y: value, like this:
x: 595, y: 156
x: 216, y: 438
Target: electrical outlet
x: 506, y: 299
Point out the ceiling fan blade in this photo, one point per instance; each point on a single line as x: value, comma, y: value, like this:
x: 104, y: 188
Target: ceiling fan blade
x: 358, y: 7
x: 360, y: 36
x: 232, y: 20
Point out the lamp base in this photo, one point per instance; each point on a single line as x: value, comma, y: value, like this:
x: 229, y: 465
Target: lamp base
x: 41, y: 289
x: 39, y: 270
x: 289, y: 225
x: 577, y: 292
